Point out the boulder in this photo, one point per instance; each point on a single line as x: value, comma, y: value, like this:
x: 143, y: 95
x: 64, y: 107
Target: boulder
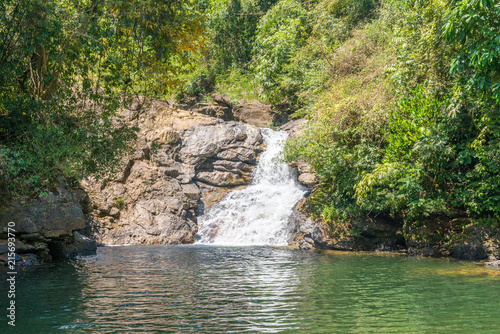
x: 221, y: 179
x: 294, y: 128
x: 84, y: 245
x: 45, y: 221
x: 307, y: 233
x: 308, y: 179
x: 254, y: 113
x: 203, y: 142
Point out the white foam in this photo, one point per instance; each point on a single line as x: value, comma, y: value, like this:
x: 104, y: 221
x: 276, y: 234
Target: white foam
x: 258, y: 214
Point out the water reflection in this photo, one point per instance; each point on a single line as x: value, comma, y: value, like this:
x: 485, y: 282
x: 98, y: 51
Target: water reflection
x: 203, y: 289
x: 162, y: 289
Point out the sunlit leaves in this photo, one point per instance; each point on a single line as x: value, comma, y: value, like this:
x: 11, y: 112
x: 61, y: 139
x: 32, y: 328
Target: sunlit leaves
x: 475, y: 24
x: 67, y: 67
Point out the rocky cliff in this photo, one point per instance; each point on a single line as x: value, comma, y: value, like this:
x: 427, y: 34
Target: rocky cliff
x: 184, y: 161
x: 47, y: 227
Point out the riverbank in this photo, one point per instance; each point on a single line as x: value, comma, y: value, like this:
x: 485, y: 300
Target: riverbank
x: 183, y: 163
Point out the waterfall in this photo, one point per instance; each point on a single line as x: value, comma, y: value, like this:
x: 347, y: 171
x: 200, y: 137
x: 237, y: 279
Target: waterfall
x: 257, y: 214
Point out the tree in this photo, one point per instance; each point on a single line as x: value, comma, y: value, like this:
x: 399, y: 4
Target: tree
x: 475, y: 25
x: 67, y: 67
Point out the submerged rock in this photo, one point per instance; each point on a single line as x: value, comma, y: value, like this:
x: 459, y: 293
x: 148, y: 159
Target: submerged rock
x: 84, y: 245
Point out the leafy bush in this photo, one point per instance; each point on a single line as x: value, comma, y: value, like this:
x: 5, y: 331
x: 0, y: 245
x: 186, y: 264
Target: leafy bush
x: 120, y: 203
x: 280, y: 34
x: 434, y: 152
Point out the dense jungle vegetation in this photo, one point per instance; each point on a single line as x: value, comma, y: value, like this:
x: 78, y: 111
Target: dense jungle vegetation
x: 66, y: 68
x: 403, y: 96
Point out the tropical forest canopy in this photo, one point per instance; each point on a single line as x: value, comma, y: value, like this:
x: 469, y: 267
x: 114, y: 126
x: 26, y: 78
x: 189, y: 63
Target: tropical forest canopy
x: 67, y: 67
x: 402, y: 96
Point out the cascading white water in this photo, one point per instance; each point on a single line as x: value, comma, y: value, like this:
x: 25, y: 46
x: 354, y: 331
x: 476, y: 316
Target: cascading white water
x: 258, y: 214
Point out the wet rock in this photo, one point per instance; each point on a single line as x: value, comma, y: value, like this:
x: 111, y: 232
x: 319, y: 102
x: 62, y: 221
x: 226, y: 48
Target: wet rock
x: 308, y: 234
x: 379, y: 234
x: 363, y: 234
x: 52, y: 216
x: 469, y: 250
x: 62, y: 249
x: 44, y: 221
x: 84, y: 245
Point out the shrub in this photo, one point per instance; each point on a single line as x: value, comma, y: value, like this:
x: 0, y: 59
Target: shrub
x: 120, y: 203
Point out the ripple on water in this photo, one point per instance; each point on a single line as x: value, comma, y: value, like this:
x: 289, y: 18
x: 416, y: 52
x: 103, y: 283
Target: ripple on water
x: 173, y: 289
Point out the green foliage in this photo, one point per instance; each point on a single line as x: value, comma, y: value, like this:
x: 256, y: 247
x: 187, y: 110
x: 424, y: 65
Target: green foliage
x: 414, y: 117
x: 120, y: 203
x: 232, y: 25
x: 197, y: 83
x: 475, y: 24
x: 238, y: 84
x: 281, y: 33
x: 435, y: 150
x: 423, y: 56
x: 230, y: 31
x: 337, y: 146
x: 66, y: 69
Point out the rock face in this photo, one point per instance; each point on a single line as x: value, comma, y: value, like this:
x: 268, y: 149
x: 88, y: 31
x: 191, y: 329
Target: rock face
x: 47, y: 228
x: 183, y: 162
x: 250, y: 112
x: 464, y: 239
x: 308, y: 233
x: 294, y: 128
x: 255, y: 113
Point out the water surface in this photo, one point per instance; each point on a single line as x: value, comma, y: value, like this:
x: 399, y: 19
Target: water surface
x: 209, y: 289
